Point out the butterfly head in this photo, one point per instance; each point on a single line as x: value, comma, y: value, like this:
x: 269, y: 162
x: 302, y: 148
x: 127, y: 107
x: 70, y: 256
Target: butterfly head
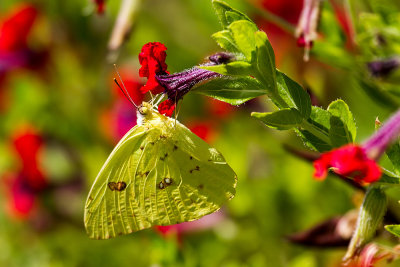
x: 147, y: 115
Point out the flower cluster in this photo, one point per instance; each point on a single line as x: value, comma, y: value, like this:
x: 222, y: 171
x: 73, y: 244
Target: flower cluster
x: 175, y: 86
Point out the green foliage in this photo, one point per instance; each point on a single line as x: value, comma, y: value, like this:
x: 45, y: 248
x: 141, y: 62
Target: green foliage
x: 233, y: 90
x: 342, y: 126
x: 393, y: 153
x: 283, y: 119
x: 293, y: 94
x: 227, y: 14
x: 393, y: 229
x: 242, y: 32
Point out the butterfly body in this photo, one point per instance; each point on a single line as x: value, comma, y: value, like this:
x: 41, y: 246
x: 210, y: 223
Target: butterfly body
x: 160, y: 173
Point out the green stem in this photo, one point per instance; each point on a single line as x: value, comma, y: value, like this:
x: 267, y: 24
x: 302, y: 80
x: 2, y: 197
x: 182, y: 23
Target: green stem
x: 278, y: 21
x: 316, y: 131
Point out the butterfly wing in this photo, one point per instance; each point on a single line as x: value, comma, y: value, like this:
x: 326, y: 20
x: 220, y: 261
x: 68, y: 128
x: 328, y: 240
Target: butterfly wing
x: 153, y: 178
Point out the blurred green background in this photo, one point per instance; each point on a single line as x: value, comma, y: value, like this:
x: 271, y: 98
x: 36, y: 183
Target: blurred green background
x: 65, y: 98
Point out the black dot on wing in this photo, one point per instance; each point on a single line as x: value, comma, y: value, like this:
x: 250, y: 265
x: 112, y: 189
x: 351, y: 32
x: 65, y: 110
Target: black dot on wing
x: 190, y: 157
x: 175, y: 148
x: 142, y: 147
x: 201, y: 186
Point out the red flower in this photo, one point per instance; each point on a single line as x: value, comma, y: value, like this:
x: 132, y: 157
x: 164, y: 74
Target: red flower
x: 152, y: 59
x: 28, y: 145
x: 349, y: 160
x: 167, y: 107
x: 219, y: 109
x: 203, y: 129
x: 100, y: 6
x: 15, y: 29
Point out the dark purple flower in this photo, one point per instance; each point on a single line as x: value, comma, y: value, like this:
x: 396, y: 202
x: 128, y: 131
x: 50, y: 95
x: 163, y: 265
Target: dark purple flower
x: 383, y: 67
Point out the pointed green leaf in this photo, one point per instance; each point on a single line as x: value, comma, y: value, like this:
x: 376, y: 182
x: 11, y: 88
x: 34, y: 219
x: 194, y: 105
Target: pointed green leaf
x: 233, y: 90
x: 227, y: 14
x: 293, y: 94
x: 393, y: 153
x: 393, y: 229
x: 225, y: 40
x: 241, y: 68
x: 243, y: 34
x: 319, y: 119
x: 265, y: 60
x: 283, y: 119
x: 342, y: 126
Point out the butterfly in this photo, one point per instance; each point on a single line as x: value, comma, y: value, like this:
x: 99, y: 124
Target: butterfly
x: 160, y: 173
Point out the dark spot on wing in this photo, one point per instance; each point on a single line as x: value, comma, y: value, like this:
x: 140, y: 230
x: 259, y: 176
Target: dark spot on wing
x: 167, y: 181
x: 164, y: 157
x: 190, y: 157
x: 201, y: 186
x: 175, y: 148
x: 163, y: 137
x: 90, y: 198
x: 161, y: 185
x: 112, y: 185
x: 195, y: 169
x: 151, y: 143
x: 210, y: 160
x: 142, y: 147
x: 120, y: 186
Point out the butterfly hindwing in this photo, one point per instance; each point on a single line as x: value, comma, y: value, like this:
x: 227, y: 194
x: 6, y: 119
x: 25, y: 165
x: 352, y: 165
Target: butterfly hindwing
x: 157, y: 176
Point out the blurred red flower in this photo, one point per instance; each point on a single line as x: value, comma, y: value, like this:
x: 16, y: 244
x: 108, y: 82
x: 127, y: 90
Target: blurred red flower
x: 218, y: 108
x: 203, y: 129
x: 349, y: 160
x: 24, y: 186
x: 101, y: 5
x: 152, y: 58
x: 288, y: 10
x: 123, y: 113
x: 16, y: 27
x: 28, y: 144
x: 202, y: 224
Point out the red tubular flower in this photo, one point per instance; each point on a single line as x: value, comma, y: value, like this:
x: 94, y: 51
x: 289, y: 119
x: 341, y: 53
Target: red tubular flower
x: 152, y: 59
x: 28, y: 145
x: 15, y: 29
x: 349, y: 160
x: 167, y: 107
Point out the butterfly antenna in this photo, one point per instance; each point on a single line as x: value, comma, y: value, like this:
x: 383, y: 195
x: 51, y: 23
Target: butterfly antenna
x: 158, y: 101
x: 123, y: 89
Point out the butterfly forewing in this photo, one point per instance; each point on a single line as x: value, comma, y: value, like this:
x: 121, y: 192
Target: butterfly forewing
x: 157, y: 176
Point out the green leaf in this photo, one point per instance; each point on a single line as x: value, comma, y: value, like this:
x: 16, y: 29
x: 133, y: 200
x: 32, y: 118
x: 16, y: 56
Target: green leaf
x: 243, y: 33
x: 241, y: 68
x: 319, y: 119
x: 342, y: 126
x: 283, y: 119
x: 393, y: 229
x: 233, y: 90
x: 388, y: 179
x: 293, y: 94
x: 225, y: 40
x: 265, y: 61
x: 393, y: 153
x: 227, y: 14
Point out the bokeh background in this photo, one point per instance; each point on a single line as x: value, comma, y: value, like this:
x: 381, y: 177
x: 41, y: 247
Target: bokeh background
x: 61, y: 115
